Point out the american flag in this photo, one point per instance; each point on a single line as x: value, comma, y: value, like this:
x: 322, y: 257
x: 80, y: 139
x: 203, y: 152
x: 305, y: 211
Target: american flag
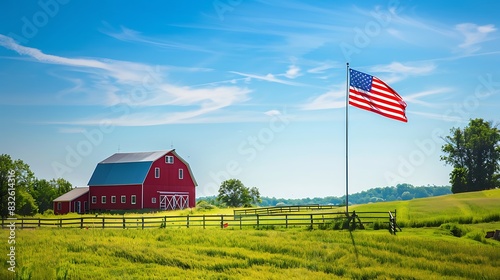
x: 372, y: 94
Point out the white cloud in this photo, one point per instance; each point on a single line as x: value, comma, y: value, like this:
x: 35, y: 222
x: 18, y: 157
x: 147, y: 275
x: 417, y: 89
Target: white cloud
x: 292, y: 72
x: 272, y: 113
x: 416, y: 97
x: 322, y: 68
x: 137, y: 85
x: 333, y: 99
x: 474, y: 35
x: 128, y: 35
x: 269, y: 77
x: 398, y: 67
x: 397, y: 71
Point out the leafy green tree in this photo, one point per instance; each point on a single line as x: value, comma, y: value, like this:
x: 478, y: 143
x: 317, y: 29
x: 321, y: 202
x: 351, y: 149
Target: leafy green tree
x: 44, y: 192
x: 25, y: 203
x: 474, y: 153
x: 233, y: 193
x: 23, y: 186
x: 61, y: 186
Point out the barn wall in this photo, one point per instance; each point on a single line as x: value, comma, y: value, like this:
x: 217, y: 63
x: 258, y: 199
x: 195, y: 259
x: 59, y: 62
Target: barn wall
x: 169, y: 181
x: 83, y: 198
x: 64, y: 207
x: 117, y: 191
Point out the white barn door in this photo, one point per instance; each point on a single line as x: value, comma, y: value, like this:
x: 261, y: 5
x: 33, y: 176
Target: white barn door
x: 173, y: 200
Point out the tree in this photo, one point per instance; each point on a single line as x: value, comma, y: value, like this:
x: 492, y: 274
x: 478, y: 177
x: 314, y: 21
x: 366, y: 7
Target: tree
x: 474, y: 153
x: 233, y: 193
x: 23, y: 181
x: 44, y: 192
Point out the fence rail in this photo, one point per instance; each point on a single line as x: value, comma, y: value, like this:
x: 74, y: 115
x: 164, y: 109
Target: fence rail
x: 201, y: 221
x: 283, y: 209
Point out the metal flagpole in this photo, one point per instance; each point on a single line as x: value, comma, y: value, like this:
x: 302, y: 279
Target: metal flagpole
x: 347, y: 143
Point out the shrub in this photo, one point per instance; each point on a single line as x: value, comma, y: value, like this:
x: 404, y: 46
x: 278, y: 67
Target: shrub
x: 48, y: 212
x: 204, y: 205
x: 455, y: 229
x: 477, y: 235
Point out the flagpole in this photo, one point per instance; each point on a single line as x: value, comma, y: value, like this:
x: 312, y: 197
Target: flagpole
x: 347, y: 143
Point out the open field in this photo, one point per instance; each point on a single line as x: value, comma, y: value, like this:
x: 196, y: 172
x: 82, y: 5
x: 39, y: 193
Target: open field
x: 433, y: 249
x: 473, y: 207
x: 425, y: 253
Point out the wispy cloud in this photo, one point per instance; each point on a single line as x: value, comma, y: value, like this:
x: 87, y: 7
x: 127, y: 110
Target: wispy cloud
x: 440, y: 117
x: 269, y: 78
x: 474, y: 35
x: 292, y: 72
x: 397, y: 71
x: 138, y: 86
x: 129, y: 35
x: 332, y: 99
x: 417, y: 97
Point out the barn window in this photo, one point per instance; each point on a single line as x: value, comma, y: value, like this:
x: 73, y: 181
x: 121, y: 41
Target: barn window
x: 124, y: 199
x: 181, y: 173
x: 157, y: 172
x: 59, y: 206
x: 169, y: 159
x: 113, y: 199
x: 103, y: 199
x: 153, y: 200
x: 94, y: 199
x: 132, y: 199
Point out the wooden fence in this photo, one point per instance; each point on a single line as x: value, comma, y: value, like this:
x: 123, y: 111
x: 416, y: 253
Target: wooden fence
x: 283, y: 209
x: 286, y: 220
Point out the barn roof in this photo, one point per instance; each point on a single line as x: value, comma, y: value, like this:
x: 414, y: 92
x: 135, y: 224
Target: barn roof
x: 72, y: 194
x: 135, y: 157
x: 121, y: 173
x: 126, y: 168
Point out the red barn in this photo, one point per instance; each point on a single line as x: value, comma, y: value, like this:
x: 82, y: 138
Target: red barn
x: 150, y: 180
x: 76, y: 200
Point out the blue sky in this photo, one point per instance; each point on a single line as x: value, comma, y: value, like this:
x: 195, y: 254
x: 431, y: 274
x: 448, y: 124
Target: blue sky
x: 253, y: 90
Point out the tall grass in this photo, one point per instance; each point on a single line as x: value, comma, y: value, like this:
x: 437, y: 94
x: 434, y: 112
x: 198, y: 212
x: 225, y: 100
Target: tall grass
x: 249, y: 254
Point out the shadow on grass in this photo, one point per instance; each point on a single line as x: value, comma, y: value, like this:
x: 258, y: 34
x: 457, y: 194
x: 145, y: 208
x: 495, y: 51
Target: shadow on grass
x: 355, y: 249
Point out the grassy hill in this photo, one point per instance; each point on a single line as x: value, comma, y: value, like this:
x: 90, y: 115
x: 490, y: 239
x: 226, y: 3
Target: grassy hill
x: 297, y: 253
x: 473, y: 207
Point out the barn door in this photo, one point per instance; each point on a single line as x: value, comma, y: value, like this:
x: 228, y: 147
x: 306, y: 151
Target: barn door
x: 163, y: 202
x: 174, y: 201
x: 78, y: 207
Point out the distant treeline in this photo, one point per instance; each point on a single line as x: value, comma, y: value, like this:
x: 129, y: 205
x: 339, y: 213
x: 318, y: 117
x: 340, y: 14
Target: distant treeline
x: 399, y: 192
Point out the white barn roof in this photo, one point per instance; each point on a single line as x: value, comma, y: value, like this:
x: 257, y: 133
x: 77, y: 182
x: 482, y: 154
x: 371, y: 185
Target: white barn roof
x: 135, y: 157
x: 73, y: 194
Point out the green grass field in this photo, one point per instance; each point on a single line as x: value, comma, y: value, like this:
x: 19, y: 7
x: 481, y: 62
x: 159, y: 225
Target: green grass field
x: 449, y: 251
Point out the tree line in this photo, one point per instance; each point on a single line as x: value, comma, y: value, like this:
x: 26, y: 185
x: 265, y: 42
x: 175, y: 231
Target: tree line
x: 32, y: 195
x: 398, y: 192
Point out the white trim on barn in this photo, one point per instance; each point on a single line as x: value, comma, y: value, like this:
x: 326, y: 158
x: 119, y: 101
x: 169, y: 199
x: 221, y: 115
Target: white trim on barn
x: 173, y: 200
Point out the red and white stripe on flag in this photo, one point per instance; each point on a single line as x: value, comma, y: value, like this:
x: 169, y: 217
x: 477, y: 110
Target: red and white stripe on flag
x: 372, y: 94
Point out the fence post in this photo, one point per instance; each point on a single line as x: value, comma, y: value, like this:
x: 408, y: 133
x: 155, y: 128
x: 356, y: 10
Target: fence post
x: 187, y: 221
x: 39, y: 222
x: 103, y: 222
x: 312, y: 221
x: 142, y: 222
x: 81, y: 223
x: 286, y: 220
x: 258, y: 223
x: 123, y: 222
x: 203, y: 221
x: 221, y: 221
